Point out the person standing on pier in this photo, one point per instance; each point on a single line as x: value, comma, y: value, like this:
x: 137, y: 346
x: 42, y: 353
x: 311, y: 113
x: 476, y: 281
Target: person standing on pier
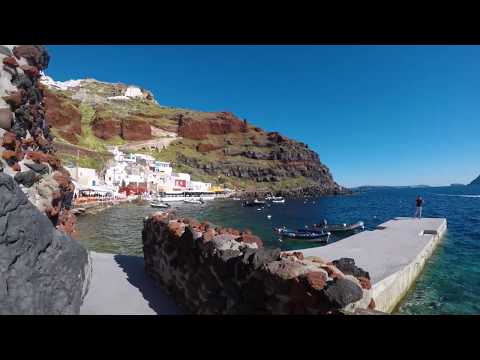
x: 419, y: 204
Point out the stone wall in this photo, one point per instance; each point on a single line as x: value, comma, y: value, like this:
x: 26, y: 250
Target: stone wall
x: 211, y: 270
x: 42, y: 270
x: 26, y: 142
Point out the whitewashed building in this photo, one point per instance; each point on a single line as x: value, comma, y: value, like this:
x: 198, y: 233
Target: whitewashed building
x: 84, y: 176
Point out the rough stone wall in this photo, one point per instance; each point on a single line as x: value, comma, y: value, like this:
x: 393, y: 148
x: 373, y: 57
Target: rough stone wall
x: 42, y: 270
x: 26, y: 147
x: 211, y: 270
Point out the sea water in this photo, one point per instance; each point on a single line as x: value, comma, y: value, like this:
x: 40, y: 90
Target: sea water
x: 449, y: 284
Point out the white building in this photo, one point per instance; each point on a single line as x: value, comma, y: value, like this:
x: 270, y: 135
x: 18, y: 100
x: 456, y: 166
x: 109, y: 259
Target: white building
x: 84, y: 176
x: 199, y: 186
x: 163, y: 167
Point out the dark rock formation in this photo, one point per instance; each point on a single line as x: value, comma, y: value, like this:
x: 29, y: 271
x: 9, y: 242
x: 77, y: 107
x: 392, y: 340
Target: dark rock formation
x: 348, y: 267
x: 210, y: 270
x: 42, y: 271
x: 476, y: 181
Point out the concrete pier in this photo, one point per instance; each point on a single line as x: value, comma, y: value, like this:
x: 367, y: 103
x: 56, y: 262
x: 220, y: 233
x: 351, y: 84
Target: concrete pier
x: 394, y: 254
x: 119, y: 286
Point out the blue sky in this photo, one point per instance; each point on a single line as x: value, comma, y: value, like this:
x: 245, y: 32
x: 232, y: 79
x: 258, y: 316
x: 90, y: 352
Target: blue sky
x: 376, y: 115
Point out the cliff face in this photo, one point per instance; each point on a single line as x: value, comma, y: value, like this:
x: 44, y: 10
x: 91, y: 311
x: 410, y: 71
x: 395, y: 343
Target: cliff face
x: 42, y: 270
x: 217, y: 147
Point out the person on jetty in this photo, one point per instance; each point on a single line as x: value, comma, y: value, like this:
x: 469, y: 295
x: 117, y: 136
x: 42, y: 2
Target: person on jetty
x: 419, y: 204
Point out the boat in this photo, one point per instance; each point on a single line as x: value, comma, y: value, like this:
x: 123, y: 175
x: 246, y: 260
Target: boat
x: 278, y: 199
x: 193, y: 201
x: 159, y: 204
x: 304, y: 234
x: 236, y: 199
x: 253, y: 203
x: 186, y: 195
x: 341, y: 228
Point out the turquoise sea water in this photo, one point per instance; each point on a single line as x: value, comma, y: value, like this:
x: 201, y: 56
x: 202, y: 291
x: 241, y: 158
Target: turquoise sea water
x: 450, y: 283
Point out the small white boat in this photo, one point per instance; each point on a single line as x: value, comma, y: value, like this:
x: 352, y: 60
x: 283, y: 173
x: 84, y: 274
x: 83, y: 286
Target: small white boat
x: 159, y: 204
x: 278, y: 200
x: 193, y: 201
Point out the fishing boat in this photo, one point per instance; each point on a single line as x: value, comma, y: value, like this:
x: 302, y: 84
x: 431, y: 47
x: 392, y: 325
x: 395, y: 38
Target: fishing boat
x: 159, y: 204
x: 304, y: 234
x: 278, y: 200
x: 193, y: 201
x: 342, y: 228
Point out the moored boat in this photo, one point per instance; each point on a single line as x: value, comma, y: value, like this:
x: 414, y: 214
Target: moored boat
x: 304, y: 234
x: 341, y: 228
x: 278, y: 200
x: 159, y: 204
x: 193, y: 201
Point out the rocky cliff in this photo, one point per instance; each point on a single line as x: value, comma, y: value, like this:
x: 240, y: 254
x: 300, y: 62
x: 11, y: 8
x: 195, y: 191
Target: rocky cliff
x: 476, y: 181
x: 42, y: 269
x: 212, y: 146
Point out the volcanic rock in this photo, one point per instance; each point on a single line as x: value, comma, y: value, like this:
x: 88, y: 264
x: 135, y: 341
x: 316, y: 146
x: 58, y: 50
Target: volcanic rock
x: 26, y: 178
x: 41, y: 169
x: 6, y: 118
x: 348, y: 267
x: 342, y: 292
x: 42, y: 271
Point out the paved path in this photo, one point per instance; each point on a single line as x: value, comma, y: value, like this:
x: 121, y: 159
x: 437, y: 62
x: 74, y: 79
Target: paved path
x: 119, y: 286
x: 394, y: 254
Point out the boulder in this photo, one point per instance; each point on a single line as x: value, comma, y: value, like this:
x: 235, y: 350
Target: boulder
x: 261, y: 257
x: 6, y: 118
x: 42, y: 271
x: 41, y: 169
x: 15, y: 99
x: 342, y: 292
x: 26, y: 178
x: 348, y: 267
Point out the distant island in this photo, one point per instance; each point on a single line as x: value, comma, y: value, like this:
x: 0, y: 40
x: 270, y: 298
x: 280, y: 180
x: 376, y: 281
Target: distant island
x: 476, y: 181
x: 386, y: 187
x: 456, y: 184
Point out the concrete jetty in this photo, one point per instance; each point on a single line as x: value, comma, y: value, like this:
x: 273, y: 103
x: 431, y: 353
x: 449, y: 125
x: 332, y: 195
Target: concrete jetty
x: 394, y: 254
x: 119, y: 286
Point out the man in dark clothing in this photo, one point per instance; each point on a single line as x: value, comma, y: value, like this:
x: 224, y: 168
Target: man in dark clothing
x: 419, y: 204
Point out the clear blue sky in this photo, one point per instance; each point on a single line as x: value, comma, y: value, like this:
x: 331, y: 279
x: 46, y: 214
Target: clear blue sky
x: 376, y: 115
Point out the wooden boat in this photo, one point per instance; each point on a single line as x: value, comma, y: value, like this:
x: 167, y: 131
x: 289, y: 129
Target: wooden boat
x: 159, y: 204
x: 304, y: 234
x: 341, y: 228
